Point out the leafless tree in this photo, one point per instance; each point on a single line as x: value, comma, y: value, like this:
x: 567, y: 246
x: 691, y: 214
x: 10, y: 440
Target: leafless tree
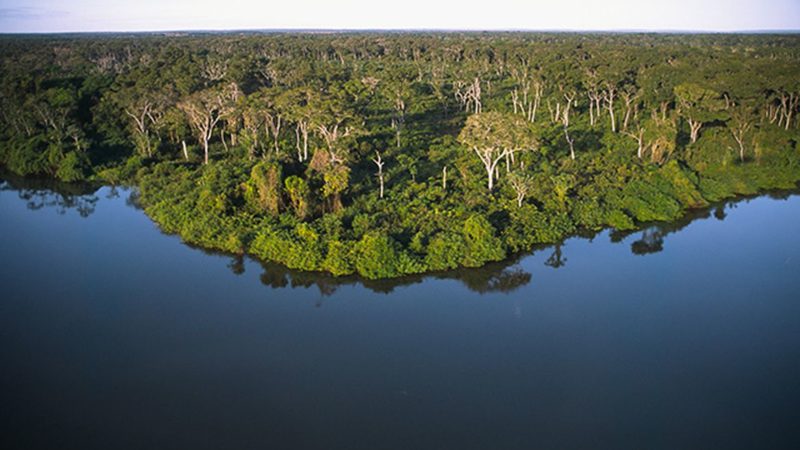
x: 379, y: 162
x: 205, y: 109
x: 469, y: 95
x: 331, y: 134
x: 740, y: 124
x: 522, y: 183
x: 570, y: 141
x: 274, y: 122
x: 609, y: 94
x: 145, y: 114
x: 639, y: 137
x: 630, y: 97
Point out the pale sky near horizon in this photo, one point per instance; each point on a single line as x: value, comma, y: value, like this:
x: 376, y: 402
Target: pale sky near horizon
x: 22, y: 16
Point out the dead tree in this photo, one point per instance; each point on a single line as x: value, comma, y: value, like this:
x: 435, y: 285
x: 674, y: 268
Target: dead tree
x: 571, y: 143
x: 609, y: 94
x: 146, y: 115
x: 740, y: 124
x: 522, y: 183
x: 273, y: 123
x: 204, y: 110
x: 469, y: 96
x: 379, y: 162
x: 639, y: 137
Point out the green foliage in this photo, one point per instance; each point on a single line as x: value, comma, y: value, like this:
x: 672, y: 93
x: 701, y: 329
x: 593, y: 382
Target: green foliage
x: 298, y: 195
x: 298, y: 125
x: 480, y: 242
x: 262, y: 192
x: 338, y: 259
x: 376, y: 256
x: 72, y: 168
x: 445, y: 251
x: 336, y: 180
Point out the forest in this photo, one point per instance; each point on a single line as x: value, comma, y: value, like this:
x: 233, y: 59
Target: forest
x: 390, y: 154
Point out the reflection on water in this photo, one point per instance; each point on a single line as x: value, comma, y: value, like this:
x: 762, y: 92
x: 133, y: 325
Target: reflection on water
x: 498, y: 277
x: 47, y: 193
x: 503, y: 277
x: 117, y: 336
x: 557, y: 259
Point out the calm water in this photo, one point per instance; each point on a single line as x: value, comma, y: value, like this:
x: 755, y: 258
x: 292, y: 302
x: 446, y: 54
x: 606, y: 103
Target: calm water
x: 114, y: 335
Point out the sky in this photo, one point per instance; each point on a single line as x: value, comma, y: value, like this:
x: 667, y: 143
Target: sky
x: 25, y: 16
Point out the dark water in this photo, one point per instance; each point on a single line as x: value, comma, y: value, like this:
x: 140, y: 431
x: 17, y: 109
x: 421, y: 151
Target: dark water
x: 114, y: 335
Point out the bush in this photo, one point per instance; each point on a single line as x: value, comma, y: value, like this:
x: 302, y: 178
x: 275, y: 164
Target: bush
x: 481, y: 244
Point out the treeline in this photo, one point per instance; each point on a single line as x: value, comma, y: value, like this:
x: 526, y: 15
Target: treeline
x: 393, y: 154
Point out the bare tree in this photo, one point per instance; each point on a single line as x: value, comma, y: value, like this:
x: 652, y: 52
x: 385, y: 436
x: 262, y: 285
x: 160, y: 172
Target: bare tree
x: 522, y: 183
x: 740, y: 124
x: 595, y: 96
x: 469, y: 95
x: 639, y: 137
x: 571, y: 142
x: 274, y: 121
x: 145, y: 115
x: 789, y: 103
x: 301, y: 130
x: 494, y: 136
x: 569, y: 97
x: 379, y: 162
x: 609, y: 94
x: 630, y: 97
x: 205, y: 109
x: 330, y: 134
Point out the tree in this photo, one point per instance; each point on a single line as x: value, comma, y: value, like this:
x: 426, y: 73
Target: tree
x: 740, y: 123
x: 698, y: 105
x: 262, y: 190
x: 146, y: 114
x: 494, y: 136
x: 337, y: 178
x: 481, y: 244
x: 469, y: 95
x: 638, y: 135
x: 570, y: 141
x: 298, y: 106
x: 398, y: 92
x: 298, y: 193
x: 522, y: 183
x: 379, y: 162
x: 205, y: 109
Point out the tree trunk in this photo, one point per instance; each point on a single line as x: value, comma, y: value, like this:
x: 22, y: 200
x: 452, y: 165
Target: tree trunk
x: 694, y: 127
x: 613, y: 119
x: 297, y: 142
x: 571, y: 143
x: 222, y: 138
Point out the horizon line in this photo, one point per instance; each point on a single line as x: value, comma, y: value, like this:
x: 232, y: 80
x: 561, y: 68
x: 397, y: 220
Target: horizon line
x: 413, y: 30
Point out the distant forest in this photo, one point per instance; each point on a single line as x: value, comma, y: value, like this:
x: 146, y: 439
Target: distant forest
x: 389, y: 154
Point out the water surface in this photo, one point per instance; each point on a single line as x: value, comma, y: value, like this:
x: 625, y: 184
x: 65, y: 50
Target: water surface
x: 114, y: 335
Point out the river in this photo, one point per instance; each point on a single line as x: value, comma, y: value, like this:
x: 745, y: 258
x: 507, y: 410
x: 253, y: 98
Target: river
x: 117, y: 336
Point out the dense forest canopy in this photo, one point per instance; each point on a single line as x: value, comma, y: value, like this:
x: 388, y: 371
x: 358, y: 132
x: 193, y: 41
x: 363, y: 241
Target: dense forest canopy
x: 387, y: 154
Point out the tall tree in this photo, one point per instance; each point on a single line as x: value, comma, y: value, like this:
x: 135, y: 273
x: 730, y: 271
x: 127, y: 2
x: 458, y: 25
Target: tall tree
x: 493, y: 136
x: 698, y: 105
x: 206, y: 108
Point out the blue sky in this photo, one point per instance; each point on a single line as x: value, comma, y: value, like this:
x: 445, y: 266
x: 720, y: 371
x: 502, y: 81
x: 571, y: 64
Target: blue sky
x: 152, y: 15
